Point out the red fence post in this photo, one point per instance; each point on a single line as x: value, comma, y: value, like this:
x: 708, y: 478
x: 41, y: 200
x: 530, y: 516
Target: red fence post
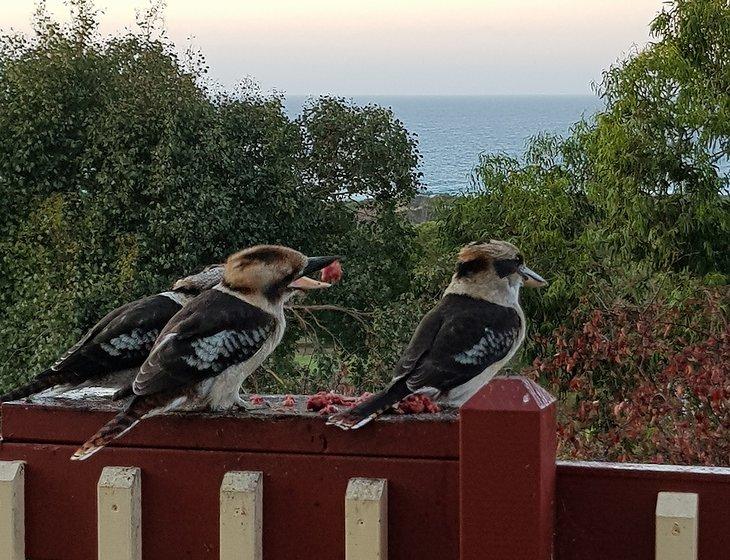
x: 507, y: 472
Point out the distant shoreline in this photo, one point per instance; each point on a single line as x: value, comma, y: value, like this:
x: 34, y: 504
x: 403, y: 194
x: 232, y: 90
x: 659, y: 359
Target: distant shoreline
x: 356, y: 96
x: 420, y: 209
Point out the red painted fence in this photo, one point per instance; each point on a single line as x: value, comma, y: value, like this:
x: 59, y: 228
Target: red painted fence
x: 485, y: 485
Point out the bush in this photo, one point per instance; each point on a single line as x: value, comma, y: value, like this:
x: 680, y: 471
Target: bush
x: 647, y: 382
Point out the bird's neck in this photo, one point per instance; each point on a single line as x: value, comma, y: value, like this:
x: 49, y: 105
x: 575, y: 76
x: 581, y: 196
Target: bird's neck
x: 500, y: 292
x: 257, y: 299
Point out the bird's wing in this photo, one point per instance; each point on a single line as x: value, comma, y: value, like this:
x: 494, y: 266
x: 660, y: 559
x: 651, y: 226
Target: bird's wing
x: 213, y: 332
x: 121, y: 339
x: 474, y: 335
x: 129, y: 335
x: 420, y: 343
x: 92, y: 332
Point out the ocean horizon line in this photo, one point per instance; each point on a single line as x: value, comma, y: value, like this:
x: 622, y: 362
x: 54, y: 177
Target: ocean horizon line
x: 457, y: 95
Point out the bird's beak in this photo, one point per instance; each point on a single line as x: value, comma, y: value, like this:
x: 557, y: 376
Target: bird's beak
x: 313, y: 265
x: 532, y: 278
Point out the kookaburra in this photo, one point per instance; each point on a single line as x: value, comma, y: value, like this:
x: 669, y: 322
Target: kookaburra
x: 207, y: 350
x: 120, y: 340
x: 466, y: 339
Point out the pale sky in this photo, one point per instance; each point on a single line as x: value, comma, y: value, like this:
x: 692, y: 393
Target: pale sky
x: 368, y: 47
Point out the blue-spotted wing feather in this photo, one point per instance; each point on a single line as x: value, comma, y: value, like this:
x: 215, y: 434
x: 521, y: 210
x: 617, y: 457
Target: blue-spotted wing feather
x: 215, y: 352
x: 490, y: 348
x: 120, y: 340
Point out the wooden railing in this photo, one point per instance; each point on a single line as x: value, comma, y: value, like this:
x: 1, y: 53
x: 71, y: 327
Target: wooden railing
x: 282, y: 485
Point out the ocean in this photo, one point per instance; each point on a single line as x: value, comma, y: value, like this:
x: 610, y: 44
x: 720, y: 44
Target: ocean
x: 453, y: 130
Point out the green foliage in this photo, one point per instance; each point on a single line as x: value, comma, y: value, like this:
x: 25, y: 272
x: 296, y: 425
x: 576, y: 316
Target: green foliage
x: 639, y: 189
x: 120, y: 170
x: 657, y: 158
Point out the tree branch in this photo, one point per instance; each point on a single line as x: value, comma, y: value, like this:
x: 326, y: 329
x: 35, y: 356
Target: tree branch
x: 359, y: 316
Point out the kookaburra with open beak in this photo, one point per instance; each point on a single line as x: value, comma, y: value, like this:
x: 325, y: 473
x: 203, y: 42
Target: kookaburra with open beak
x: 466, y: 339
x: 207, y: 350
x: 122, y: 339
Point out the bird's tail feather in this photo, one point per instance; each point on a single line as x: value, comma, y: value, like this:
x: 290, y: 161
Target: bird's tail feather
x: 365, y: 412
x: 116, y: 427
x: 39, y: 383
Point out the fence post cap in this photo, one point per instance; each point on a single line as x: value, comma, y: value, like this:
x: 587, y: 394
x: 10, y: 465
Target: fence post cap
x: 9, y: 470
x: 119, y: 477
x: 518, y: 394
x: 677, y: 504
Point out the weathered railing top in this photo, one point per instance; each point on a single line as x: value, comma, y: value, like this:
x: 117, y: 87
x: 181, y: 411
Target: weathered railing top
x: 271, y: 427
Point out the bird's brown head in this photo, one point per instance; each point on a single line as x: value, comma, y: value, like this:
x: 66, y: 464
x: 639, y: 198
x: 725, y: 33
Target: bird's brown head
x: 274, y: 271
x: 495, y: 261
x: 201, y: 281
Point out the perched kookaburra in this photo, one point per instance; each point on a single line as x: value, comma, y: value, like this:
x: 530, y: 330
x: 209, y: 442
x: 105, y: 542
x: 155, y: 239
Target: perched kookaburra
x: 205, y: 352
x: 466, y: 339
x: 122, y: 339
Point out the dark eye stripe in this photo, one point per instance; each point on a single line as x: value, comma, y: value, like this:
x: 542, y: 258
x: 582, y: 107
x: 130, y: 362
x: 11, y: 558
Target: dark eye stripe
x: 506, y: 267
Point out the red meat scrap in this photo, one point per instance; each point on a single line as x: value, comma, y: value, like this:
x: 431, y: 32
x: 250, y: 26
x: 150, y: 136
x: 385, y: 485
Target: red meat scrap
x: 416, y: 404
x: 362, y: 398
x: 329, y: 401
x: 332, y: 273
x: 325, y: 399
x: 329, y: 409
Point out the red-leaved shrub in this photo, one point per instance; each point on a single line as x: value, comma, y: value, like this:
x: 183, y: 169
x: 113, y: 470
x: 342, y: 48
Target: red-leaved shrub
x: 643, y: 384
